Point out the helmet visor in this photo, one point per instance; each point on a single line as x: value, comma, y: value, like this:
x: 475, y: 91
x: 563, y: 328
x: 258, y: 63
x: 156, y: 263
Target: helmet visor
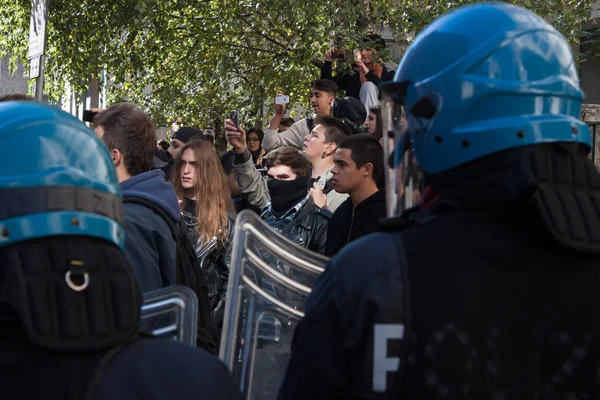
x: 402, y: 176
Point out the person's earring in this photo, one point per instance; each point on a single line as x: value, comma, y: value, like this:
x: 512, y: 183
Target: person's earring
x: 323, y: 155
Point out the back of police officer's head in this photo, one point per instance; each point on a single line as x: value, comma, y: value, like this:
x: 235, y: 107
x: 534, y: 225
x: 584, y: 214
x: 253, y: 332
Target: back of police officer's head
x: 472, y: 96
x: 61, y: 232
x: 129, y: 134
x: 358, y: 163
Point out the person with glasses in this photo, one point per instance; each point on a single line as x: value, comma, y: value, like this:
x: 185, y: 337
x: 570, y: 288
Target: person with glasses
x: 254, y: 139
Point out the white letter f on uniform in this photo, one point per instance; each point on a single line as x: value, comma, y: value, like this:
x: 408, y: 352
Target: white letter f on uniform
x: 381, y: 363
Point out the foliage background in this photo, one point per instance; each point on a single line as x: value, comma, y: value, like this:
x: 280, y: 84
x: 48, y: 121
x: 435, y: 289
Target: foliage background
x: 201, y: 58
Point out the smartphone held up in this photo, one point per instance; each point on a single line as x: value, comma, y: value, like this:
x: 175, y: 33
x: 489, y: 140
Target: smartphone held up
x: 282, y: 99
x: 235, y: 117
x: 88, y: 115
x: 339, y: 54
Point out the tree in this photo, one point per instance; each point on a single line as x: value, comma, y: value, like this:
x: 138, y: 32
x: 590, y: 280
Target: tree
x: 408, y: 18
x: 193, y: 61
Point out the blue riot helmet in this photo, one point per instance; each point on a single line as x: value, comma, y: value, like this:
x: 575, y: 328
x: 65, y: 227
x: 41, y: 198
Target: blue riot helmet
x: 479, y: 80
x: 56, y: 177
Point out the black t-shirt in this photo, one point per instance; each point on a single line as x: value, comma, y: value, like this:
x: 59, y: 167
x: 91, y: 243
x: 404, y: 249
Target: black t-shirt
x: 189, y: 217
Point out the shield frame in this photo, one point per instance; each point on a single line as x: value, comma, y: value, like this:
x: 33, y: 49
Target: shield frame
x: 249, y: 226
x: 175, y: 309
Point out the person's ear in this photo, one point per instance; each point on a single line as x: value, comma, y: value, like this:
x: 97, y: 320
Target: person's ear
x: 330, y: 148
x: 367, y: 169
x: 117, y: 157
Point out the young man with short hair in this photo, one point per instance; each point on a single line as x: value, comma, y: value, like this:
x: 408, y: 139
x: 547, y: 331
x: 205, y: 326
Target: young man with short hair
x: 322, y: 96
x: 150, y: 248
x: 358, y: 165
x: 319, y: 148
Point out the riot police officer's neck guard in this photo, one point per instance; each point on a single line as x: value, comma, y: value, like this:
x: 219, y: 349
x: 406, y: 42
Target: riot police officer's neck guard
x: 557, y: 180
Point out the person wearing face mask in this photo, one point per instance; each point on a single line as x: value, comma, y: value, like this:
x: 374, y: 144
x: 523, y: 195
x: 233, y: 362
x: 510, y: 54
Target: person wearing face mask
x: 283, y: 198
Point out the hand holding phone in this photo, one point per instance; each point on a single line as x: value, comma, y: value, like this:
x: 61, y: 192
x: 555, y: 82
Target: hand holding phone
x: 88, y: 115
x: 235, y: 135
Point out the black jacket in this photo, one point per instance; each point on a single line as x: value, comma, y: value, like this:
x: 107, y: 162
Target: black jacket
x: 147, y: 368
x: 491, y: 293
x: 215, y: 261
x: 349, y: 223
x: 63, y: 344
x: 308, y: 228
x: 351, y: 82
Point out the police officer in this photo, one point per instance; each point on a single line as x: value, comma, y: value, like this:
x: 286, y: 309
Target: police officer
x: 491, y: 292
x: 69, y: 303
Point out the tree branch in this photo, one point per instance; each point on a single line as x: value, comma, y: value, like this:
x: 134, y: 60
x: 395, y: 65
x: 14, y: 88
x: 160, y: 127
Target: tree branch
x: 270, y: 39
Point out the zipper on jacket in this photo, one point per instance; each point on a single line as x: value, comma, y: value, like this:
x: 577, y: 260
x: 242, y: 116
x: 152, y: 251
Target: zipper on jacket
x: 204, y: 251
x: 351, y: 225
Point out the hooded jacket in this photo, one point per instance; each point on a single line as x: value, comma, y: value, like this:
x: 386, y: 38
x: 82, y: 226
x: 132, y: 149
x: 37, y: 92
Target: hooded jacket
x: 149, y: 245
x: 349, y: 223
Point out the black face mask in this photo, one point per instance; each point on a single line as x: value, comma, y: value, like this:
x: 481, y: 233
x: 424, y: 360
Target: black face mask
x: 286, y: 194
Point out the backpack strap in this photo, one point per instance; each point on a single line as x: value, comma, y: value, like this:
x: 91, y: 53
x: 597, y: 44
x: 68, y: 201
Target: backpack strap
x: 146, y: 203
x: 183, y: 277
x: 307, y: 209
x: 398, y: 390
x: 188, y: 273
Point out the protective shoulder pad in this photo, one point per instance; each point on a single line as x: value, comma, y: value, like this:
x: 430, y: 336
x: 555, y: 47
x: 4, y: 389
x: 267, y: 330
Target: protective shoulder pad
x: 567, y: 196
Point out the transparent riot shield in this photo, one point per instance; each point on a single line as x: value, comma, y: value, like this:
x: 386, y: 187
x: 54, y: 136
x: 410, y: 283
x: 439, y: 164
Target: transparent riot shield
x: 269, y: 282
x: 171, y: 313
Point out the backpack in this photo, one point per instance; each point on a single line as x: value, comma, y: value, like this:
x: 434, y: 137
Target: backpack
x: 349, y: 110
x: 188, y: 273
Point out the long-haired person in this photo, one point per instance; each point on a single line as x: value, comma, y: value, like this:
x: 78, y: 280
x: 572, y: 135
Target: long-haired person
x: 373, y: 124
x: 207, y: 210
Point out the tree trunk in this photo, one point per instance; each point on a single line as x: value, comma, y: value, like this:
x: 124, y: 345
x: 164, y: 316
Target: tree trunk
x: 94, y: 93
x: 364, y: 21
